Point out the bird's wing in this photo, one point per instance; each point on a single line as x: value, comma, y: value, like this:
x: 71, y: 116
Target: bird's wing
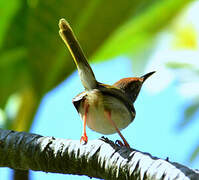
x: 78, y: 99
x: 118, y: 93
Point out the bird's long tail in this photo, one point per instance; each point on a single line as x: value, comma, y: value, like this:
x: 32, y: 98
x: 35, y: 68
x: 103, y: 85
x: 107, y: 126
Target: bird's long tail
x: 85, y: 72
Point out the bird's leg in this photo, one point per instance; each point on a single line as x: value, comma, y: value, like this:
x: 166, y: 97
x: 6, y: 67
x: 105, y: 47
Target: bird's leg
x: 108, y: 114
x: 84, y: 136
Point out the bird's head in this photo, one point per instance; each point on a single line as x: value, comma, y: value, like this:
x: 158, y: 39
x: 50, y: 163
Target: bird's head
x: 131, y: 86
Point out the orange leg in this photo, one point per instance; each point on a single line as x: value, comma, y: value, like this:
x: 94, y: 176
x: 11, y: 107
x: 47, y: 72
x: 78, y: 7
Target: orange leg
x: 84, y: 136
x: 108, y: 113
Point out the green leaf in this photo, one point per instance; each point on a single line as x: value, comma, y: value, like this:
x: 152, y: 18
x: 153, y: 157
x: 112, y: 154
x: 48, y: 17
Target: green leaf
x: 194, y: 154
x: 189, y: 112
x: 132, y: 36
x: 178, y: 65
x: 7, y: 13
x: 12, y: 56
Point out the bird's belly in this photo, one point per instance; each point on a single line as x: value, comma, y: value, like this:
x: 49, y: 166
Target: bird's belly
x: 97, y: 119
x: 101, y: 124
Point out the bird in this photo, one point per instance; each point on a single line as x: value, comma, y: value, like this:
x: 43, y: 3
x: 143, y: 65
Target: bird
x: 106, y: 109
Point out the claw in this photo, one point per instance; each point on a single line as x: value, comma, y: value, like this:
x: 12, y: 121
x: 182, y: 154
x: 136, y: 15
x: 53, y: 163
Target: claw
x: 119, y: 143
x: 84, y: 138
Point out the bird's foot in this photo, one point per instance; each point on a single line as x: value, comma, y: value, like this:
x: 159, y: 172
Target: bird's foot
x: 84, y: 138
x: 119, y: 143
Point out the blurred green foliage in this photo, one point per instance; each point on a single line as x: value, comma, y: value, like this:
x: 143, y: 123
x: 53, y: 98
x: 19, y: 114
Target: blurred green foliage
x: 33, y: 59
x: 191, y: 108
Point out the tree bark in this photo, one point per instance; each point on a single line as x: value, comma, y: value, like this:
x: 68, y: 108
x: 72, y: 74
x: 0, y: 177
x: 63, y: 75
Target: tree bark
x: 98, y: 158
x: 20, y: 175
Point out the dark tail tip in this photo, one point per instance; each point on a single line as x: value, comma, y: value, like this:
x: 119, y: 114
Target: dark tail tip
x: 147, y: 75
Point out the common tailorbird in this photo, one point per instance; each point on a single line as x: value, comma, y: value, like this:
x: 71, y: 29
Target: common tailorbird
x: 103, y: 108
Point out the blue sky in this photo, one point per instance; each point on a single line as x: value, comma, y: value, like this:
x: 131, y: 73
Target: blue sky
x: 154, y: 130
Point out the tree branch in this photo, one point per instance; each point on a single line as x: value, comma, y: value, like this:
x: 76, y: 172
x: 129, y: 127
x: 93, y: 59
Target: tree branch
x: 98, y: 158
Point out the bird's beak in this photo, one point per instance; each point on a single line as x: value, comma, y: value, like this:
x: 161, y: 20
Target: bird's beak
x: 147, y: 75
